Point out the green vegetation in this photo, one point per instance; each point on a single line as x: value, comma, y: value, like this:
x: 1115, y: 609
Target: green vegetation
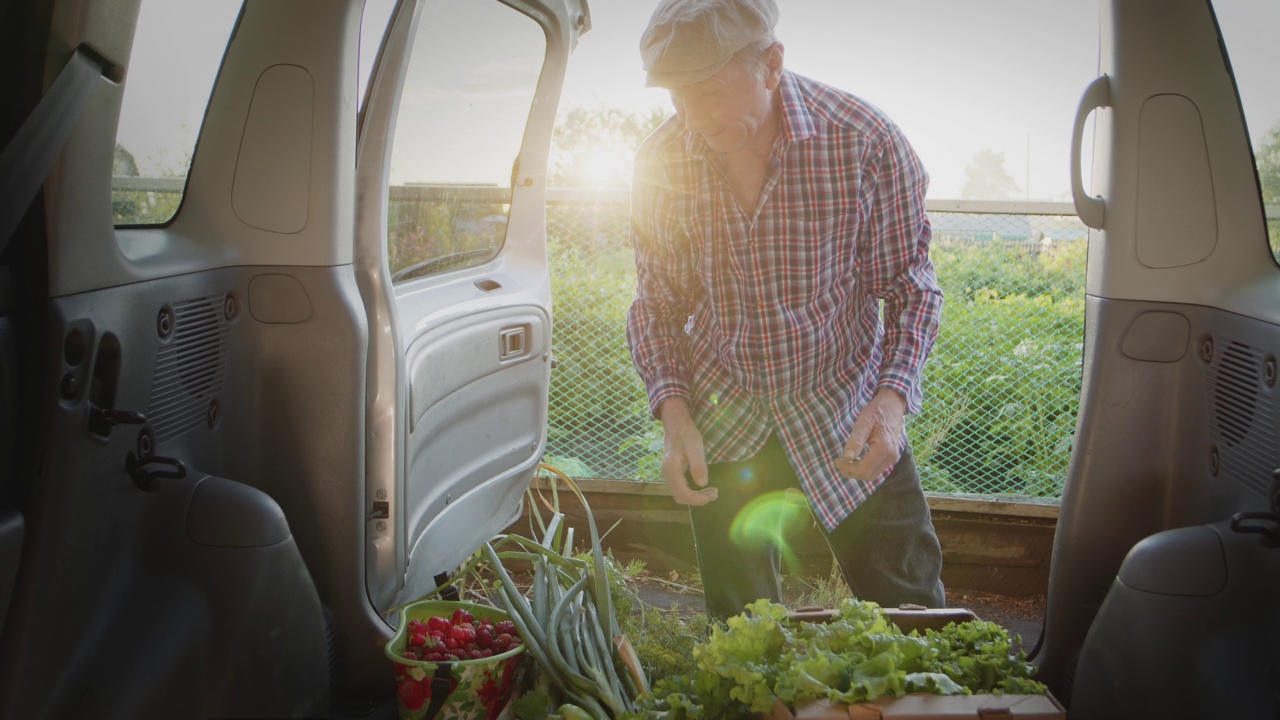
x: 763, y: 655
x: 444, y: 231
x: 1001, y: 387
x: 1002, y: 384
x: 140, y: 207
x: 134, y: 207
x: 598, y: 415
x: 1268, y: 159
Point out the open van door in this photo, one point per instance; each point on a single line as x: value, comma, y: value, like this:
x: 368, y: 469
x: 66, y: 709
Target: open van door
x: 1160, y: 595
x: 241, y: 427
x: 451, y: 251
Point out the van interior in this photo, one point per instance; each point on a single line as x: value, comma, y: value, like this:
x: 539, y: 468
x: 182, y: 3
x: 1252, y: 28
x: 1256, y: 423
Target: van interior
x: 234, y: 436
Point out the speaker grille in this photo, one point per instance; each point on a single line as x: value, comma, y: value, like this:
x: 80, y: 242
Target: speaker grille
x: 190, y: 368
x: 1242, y: 423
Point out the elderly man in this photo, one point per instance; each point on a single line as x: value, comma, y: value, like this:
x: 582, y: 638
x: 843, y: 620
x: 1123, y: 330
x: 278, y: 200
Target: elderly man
x: 771, y: 217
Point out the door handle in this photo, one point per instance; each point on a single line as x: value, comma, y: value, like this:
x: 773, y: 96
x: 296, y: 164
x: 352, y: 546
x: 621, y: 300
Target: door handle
x: 513, y: 342
x: 1092, y: 210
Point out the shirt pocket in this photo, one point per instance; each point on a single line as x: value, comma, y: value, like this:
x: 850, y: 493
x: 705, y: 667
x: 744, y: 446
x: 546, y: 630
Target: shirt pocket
x: 814, y: 261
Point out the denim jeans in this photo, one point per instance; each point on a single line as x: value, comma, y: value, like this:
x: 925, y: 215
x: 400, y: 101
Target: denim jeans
x: 887, y: 549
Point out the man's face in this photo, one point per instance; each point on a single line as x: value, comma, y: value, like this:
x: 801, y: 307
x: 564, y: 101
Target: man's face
x: 727, y: 109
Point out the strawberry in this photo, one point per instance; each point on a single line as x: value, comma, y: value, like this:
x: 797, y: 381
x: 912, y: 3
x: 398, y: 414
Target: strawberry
x: 484, y: 638
x: 462, y: 616
x: 438, y: 623
x: 412, y: 694
x: 418, y: 640
x: 505, y: 626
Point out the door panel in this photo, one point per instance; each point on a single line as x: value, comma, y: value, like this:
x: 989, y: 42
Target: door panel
x: 185, y: 570
x: 239, y: 333
x: 452, y: 267
x: 1176, y: 423
x: 477, y: 418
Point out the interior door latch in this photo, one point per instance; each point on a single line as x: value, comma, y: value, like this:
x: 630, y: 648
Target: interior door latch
x: 1266, y: 524
x: 143, y: 465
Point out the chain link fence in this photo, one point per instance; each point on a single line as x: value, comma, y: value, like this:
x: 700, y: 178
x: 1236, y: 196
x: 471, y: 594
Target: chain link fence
x: 1002, y: 384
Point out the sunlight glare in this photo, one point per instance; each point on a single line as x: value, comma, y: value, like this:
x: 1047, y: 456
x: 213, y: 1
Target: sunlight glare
x: 606, y: 167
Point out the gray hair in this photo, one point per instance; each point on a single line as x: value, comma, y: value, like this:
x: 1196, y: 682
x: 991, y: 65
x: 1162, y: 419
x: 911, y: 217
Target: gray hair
x: 753, y: 55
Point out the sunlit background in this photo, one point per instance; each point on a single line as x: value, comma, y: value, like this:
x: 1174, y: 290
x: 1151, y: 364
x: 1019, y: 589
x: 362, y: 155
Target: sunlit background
x: 983, y: 87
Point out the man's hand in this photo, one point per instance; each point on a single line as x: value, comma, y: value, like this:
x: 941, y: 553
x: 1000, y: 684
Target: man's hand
x: 878, y: 431
x: 682, y: 455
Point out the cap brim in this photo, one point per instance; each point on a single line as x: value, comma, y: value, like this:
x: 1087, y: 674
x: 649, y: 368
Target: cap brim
x: 679, y: 79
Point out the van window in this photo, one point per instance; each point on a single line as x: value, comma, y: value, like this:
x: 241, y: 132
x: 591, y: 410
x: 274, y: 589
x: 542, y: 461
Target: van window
x: 177, y: 49
x: 472, y: 75
x: 1248, y: 30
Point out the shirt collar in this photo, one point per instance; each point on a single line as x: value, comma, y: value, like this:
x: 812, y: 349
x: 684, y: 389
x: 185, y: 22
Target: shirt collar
x: 797, y: 123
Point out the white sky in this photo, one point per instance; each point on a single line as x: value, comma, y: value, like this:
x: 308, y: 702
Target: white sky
x: 957, y: 76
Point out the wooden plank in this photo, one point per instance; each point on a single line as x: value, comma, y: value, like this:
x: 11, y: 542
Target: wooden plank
x: 997, y: 508
x: 995, y: 547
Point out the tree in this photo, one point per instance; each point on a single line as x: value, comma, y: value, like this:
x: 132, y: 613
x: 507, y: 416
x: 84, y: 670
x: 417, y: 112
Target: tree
x: 594, y: 146
x: 1269, y: 166
x: 986, y: 179
x: 123, y: 163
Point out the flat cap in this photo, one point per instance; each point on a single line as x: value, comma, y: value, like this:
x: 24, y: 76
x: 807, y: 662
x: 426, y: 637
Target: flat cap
x: 688, y: 41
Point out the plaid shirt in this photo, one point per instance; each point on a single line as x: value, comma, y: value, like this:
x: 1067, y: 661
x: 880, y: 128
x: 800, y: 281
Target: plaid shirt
x: 769, y: 321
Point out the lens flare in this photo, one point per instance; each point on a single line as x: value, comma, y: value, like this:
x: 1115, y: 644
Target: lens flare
x: 771, y: 518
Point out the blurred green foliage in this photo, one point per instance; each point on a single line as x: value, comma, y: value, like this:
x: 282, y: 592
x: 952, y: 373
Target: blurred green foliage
x: 136, y: 207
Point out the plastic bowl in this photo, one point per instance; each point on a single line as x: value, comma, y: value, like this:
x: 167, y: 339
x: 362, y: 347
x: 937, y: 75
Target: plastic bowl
x: 476, y: 689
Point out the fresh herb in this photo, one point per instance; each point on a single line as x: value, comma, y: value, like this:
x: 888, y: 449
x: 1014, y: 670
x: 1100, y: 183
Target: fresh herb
x: 764, y: 656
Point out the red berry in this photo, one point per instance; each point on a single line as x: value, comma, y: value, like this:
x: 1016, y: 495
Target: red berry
x: 412, y: 694
x: 475, y: 654
x: 484, y: 638
x: 486, y: 652
x: 487, y: 622
x: 418, y: 640
x: 505, y: 626
x: 450, y: 643
x: 504, y: 639
x: 437, y: 623
x: 433, y: 657
x: 409, y: 655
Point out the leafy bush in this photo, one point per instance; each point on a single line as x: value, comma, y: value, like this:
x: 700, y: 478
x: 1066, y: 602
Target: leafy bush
x: 451, y: 232
x: 138, y: 207
x: 1002, y: 384
x: 598, y: 413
